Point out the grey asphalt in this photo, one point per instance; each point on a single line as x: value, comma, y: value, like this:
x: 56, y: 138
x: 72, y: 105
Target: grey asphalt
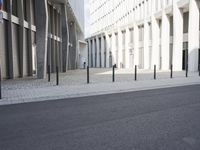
x: 164, y: 119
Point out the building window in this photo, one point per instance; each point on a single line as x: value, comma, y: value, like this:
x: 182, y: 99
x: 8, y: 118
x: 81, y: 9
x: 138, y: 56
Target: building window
x: 141, y: 33
x: 5, y: 5
x: 123, y: 38
x: 131, y: 36
x: 171, y: 26
x: 25, y: 9
x: 185, y: 22
x: 116, y: 40
x: 14, y: 7
x: 150, y: 31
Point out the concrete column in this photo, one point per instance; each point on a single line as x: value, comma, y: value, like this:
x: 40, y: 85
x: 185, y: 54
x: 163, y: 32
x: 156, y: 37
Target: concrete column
x: 97, y: 51
x: 146, y: 45
x: 102, y: 51
x: 93, y: 51
x: 155, y: 42
x: 120, y: 48
x: 49, y: 45
x: 56, y: 39
x: 65, y: 37
x: 108, y: 47
x: 73, y: 48
x: 41, y: 36
x: 113, y: 48
x: 21, y: 37
x: 105, y: 49
x: 165, y: 40
x: 53, y: 43
x: 193, y: 36
x: 127, y: 49
x: 136, y: 42
x: 177, y: 37
x: 146, y: 38
x: 89, y: 54
x: 9, y: 42
x: 30, y: 51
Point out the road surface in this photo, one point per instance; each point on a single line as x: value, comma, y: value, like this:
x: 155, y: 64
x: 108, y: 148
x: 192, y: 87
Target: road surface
x: 164, y: 119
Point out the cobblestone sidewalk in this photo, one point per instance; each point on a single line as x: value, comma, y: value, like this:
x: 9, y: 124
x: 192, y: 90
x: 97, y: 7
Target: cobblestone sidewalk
x: 73, y: 84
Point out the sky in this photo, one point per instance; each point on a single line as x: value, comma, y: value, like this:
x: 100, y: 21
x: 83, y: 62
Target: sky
x: 87, y: 20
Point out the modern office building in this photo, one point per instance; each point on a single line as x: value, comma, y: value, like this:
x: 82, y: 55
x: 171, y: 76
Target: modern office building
x: 145, y: 33
x: 40, y: 34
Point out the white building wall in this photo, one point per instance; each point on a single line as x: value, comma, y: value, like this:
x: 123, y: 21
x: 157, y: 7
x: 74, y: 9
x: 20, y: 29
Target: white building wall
x: 115, y: 16
x: 78, y: 9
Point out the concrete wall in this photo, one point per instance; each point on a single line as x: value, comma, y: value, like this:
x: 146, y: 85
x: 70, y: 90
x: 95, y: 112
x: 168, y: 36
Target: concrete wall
x: 173, y: 24
x: 24, y: 48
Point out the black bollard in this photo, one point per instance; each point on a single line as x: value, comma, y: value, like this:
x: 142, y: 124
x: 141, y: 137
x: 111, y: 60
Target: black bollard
x: 88, y: 75
x: 0, y: 85
x: 199, y: 69
x: 135, y: 72
x: 57, y: 75
x: 186, y: 71
x: 154, y: 72
x: 171, y: 71
x: 113, y: 75
x: 49, y: 73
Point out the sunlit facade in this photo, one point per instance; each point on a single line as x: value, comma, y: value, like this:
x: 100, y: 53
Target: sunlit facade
x: 145, y: 33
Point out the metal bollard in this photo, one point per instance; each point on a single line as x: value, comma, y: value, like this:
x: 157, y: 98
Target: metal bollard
x: 57, y: 75
x: 199, y: 69
x: 186, y: 71
x: 49, y: 73
x: 171, y: 71
x: 0, y: 85
x: 88, y: 75
x: 113, y: 75
x: 154, y: 72
x: 135, y: 72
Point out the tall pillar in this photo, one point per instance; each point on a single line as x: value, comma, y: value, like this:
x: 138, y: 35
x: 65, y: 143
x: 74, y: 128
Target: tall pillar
x: 72, y: 49
x: 127, y: 49
x: 120, y: 48
x: 146, y: 45
x: 165, y: 40
x: 98, y: 52
x: 21, y: 38
x: 102, y: 51
x: 65, y: 37
x: 177, y: 37
x: 136, y: 42
x: 30, y: 51
x: 9, y: 42
x: 193, y: 35
x: 89, y: 54
x: 155, y: 42
x: 108, y: 47
x: 113, y: 48
x: 146, y: 38
x: 93, y: 53
x: 41, y: 36
x: 53, y: 42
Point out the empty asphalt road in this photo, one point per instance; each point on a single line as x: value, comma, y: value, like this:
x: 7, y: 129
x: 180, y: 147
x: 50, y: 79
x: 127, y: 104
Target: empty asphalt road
x: 164, y: 119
